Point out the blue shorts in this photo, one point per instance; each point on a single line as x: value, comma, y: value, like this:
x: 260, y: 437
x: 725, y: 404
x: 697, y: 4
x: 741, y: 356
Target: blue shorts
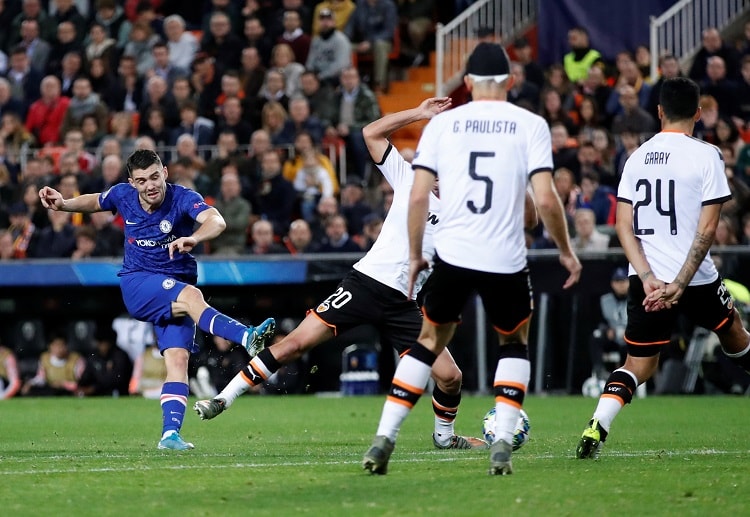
x: 148, y: 297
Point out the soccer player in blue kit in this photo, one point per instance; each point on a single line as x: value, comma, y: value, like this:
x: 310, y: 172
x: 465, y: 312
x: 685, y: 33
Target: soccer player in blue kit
x: 159, y: 274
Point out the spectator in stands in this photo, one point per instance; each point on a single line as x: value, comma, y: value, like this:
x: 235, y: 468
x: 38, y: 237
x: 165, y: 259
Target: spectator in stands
x: 58, y: 240
x: 552, y: 110
x: 37, y: 49
x: 587, y: 237
x: 303, y: 146
x: 252, y: 73
x: 128, y: 91
x: 337, y: 238
x: 330, y: 50
x: 273, y: 90
x: 299, y: 238
x: 112, y: 17
x: 140, y: 41
x: 256, y: 37
x: 231, y: 119
x: 417, y: 17
x: 7, y: 250
x: 604, y: 144
x: 7, y: 194
x: 320, y: 98
x: 149, y: 372
x: 568, y: 191
x: 231, y: 86
x: 581, y: 57
x: 59, y: 370
x: 46, y: 115
x: 642, y: 58
x: 669, y: 66
x: 84, y: 160
x: 158, y: 96
x: 588, y: 118
x: 112, y: 173
x: 353, y: 205
x: 522, y: 92
x: 182, y: 92
x: 356, y: 106
x: 30, y: 10
x: 630, y: 76
x: 599, y: 198
x: 341, y: 10
x: 109, y: 237
x: 595, y: 86
x: 705, y: 128
x: 300, y: 120
x: 631, y: 114
x: 311, y: 183
x: 36, y: 172
x: 227, y: 151
x: 84, y: 102
x: 327, y: 208
x: 67, y: 41
x: 162, y: 65
x: 282, y: 59
x: 276, y: 195
x: 221, y: 43
x: 225, y: 7
x: 728, y: 136
x: 743, y: 95
x: 371, y: 29
x: 15, y: 136
x: 629, y: 141
x: 263, y: 239
x: 10, y: 378
x: 202, y: 133
x: 609, y: 336
x: 85, y: 243
x: 713, y: 45
x: 103, y: 82
x: 236, y: 211
x: 532, y: 70
x: 108, y: 368
x: 371, y: 226
x: 7, y: 102
x: 24, y: 80
x: 21, y: 229
x: 717, y: 85
x: 273, y: 118
x: 588, y: 161
x: 72, y: 69
x: 260, y: 142
x: 295, y: 36
x: 121, y: 131
x: 181, y: 43
x: 101, y: 46
x: 67, y: 11
x: 37, y: 213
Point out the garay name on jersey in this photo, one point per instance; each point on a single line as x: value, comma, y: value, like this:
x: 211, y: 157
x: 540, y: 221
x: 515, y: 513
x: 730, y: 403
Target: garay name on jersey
x: 656, y: 158
x: 485, y: 126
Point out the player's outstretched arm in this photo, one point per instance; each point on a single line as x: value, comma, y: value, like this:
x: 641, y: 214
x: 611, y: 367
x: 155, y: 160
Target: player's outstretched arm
x: 53, y: 200
x: 211, y: 225
x: 376, y: 133
x: 552, y: 214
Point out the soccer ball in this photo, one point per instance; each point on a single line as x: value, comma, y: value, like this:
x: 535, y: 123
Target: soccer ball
x: 521, y: 435
x: 593, y: 387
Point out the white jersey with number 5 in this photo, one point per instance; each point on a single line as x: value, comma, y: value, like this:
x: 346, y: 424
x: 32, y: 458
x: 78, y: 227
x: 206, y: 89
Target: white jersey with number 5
x: 668, y: 180
x: 483, y: 153
x: 388, y: 259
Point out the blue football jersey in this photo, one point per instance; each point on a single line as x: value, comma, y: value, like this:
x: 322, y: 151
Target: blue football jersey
x: 147, y: 236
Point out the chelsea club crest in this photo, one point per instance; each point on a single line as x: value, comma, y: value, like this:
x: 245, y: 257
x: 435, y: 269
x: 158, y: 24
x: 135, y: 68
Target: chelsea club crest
x: 165, y: 226
x: 168, y: 283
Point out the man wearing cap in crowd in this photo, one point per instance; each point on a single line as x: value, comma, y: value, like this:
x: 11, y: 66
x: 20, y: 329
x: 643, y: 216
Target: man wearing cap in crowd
x: 609, y: 336
x: 485, y: 153
x: 330, y: 50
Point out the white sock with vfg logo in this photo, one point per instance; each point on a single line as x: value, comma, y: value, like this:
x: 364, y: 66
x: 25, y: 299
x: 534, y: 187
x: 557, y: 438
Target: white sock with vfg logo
x: 511, y: 381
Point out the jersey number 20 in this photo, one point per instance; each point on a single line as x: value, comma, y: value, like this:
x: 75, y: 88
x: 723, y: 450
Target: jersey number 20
x: 646, y: 201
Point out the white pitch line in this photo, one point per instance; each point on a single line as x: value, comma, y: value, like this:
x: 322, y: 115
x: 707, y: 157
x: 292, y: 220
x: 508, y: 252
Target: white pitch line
x: 420, y: 457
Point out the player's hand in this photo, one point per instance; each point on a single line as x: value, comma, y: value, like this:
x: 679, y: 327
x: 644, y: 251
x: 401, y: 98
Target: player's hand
x: 416, y: 266
x: 434, y: 105
x: 182, y: 245
x: 51, y: 198
x: 654, y: 299
x: 570, y: 262
x: 663, y: 298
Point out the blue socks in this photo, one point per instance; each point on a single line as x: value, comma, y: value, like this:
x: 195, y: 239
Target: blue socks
x: 218, y: 324
x: 173, y: 403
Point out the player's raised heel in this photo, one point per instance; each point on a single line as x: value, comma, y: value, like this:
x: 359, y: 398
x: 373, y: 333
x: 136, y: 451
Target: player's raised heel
x: 461, y: 442
x: 500, y: 464
x: 174, y: 442
x: 591, y: 441
x: 377, y: 456
x: 256, y: 338
x: 208, y: 409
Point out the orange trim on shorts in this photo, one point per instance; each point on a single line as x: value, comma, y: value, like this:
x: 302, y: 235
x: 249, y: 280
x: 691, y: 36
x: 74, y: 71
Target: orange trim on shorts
x: 505, y: 333
x: 324, y: 322
x: 408, y: 387
x: 503, y: 400
x: 635, y: 343
x: 402, y: 354
x: 511, y: 384
x: 395, y: 400
x: 618, y: 399
x: 722, y: 323
x: 435, y: 324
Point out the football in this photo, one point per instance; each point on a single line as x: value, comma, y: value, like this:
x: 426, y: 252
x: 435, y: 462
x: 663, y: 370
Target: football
x: 520, y: 437
x: 592, y: 387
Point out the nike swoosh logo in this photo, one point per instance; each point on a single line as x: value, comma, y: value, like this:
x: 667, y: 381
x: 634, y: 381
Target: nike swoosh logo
x: 130, y: 222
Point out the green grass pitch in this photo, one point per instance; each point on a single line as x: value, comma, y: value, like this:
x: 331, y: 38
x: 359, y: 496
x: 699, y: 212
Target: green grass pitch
x: 300, y: 455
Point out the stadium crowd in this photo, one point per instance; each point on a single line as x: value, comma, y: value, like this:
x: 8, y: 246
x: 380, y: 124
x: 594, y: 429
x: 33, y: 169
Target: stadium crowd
x: 253, y: 103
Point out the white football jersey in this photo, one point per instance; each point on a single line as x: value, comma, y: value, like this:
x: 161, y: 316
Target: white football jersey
x: 388, y: 259
x: 667, y: 180
x: 483, y: 154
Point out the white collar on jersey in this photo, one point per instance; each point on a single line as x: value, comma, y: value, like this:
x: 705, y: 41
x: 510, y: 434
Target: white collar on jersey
x: 496, y: 78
